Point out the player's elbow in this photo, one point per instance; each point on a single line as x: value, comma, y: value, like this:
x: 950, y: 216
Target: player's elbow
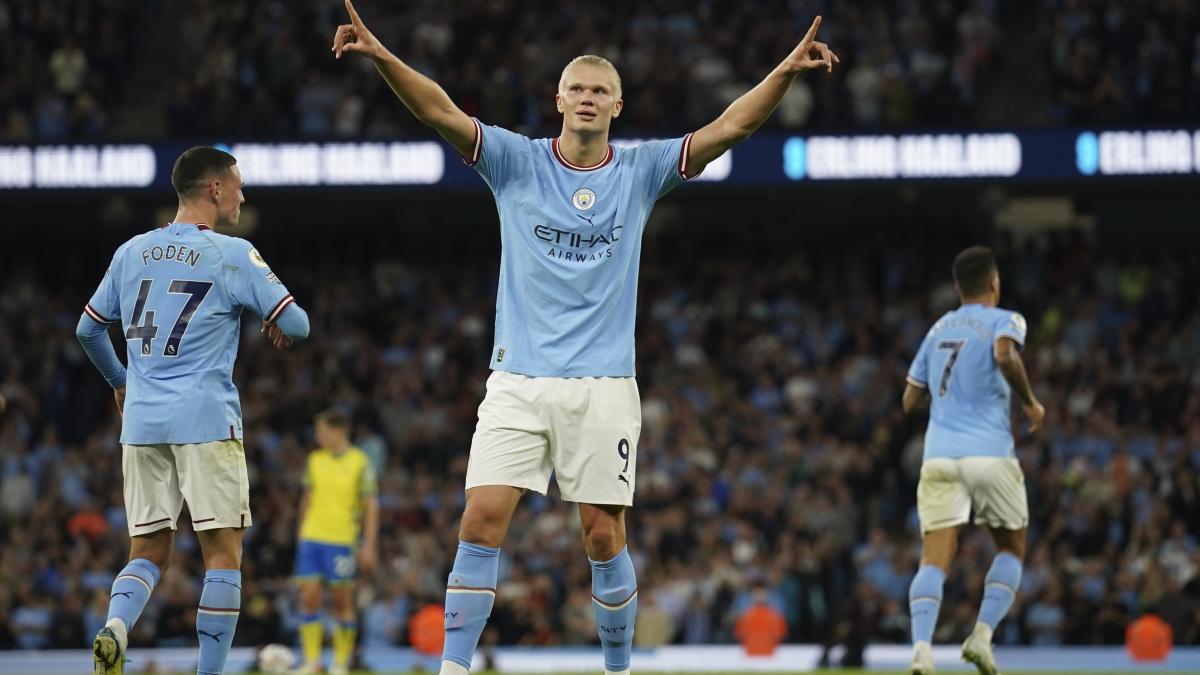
x: 86, y: 329
x: 732, y: 133
x: 433, y: 116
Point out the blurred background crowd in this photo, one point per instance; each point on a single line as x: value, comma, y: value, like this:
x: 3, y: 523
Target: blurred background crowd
x: 89, y: 70
x: 774, y: 454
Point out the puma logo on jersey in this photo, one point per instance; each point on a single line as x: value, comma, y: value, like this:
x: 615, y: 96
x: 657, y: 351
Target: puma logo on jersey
x: 215, y: 636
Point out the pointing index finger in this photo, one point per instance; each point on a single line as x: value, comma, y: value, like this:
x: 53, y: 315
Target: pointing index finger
x: 808, y: 37
x: 354, y: 15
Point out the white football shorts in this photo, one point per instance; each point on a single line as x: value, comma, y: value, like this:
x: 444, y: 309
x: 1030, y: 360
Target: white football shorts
x: 993, y: 486
x: 210, y: 477
x: 584, y: 430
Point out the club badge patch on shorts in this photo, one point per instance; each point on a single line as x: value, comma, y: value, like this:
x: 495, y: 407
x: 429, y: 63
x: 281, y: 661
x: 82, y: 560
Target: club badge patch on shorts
x: 583, y: 199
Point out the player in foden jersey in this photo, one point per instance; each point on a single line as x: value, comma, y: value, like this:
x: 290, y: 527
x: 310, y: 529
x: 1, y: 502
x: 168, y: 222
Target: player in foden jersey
x: 966, y: 368
x: 340, y: 499
x: 562, y: 397
x: 178, y: 292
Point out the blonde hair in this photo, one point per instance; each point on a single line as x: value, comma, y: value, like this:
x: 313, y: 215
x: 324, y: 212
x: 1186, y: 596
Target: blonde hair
x: 590, y: 60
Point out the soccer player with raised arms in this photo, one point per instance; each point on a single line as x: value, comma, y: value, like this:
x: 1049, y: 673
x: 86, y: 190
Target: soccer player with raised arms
x: 178, y: 292
x: 340, y: 499
x: 562, y: 397
x: 966, y: 369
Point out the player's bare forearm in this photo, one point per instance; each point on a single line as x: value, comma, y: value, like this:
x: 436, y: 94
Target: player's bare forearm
x: 745, y: 115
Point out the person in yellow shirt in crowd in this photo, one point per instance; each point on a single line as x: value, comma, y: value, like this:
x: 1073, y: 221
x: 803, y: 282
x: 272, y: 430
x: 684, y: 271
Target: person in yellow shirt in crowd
x: 340, y: 498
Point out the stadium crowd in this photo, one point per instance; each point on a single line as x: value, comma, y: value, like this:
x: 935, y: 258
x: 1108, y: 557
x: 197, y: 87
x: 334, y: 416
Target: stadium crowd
x: 773, y: 454
x: 261, y: 69
x: 1116, y: 62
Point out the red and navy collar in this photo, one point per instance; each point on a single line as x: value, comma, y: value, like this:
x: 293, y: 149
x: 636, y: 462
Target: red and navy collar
x: 563, y: 160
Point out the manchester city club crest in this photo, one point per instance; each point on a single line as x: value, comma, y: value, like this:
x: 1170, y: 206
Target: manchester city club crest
x: 584, y: 199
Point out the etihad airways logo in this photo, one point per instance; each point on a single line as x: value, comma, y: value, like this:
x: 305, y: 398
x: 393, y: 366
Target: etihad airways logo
x: 576, y: 246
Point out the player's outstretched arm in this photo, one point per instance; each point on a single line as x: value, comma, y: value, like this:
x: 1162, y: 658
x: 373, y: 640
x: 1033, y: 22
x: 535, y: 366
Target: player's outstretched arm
x: 1008, y: 359
x: 424, y: 97
x: 745, y: 115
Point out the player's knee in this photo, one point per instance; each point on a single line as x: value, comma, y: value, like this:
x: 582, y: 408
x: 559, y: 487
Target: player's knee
x: 342, y: 604
x: 310, y: 597
x: 601, y: 542
x: 155, y: 548
x: 1010, y: 541
x: 160, y: 558
x: 1014, y: 548
x: 478, y: 528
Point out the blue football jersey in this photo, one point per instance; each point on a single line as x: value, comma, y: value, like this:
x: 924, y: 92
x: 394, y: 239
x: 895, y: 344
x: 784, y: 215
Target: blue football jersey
x: 572, y: 242
x: 970, y: 401
x: 178, y: 292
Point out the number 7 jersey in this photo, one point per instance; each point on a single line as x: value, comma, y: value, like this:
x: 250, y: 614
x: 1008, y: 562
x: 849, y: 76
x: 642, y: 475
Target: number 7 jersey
x: 970, y: 401
x: 178, y: 293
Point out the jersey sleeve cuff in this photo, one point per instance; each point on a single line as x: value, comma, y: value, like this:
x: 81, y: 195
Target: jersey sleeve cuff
x: 476, y: 147
x: 915, y: 382
x: 683, y: 158
x: 278, y: 308
x: 96, y: 316
x: 1015, y: 338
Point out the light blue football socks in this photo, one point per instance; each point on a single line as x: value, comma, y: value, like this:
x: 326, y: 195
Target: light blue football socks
x: 130, y: 591
x: 925, y: 601
x: 216, y: 618
x: 1000, y: 589
x: 614, y: 598
x: 470, y: 594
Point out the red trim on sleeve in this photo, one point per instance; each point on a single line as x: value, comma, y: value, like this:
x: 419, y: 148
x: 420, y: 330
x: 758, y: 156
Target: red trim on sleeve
x: 683, y: 157
x: 96, y: 316
x: 279, y: 307
x: 477, y: 149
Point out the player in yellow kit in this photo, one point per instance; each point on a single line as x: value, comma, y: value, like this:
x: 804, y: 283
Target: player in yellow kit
x: 340, y: 495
